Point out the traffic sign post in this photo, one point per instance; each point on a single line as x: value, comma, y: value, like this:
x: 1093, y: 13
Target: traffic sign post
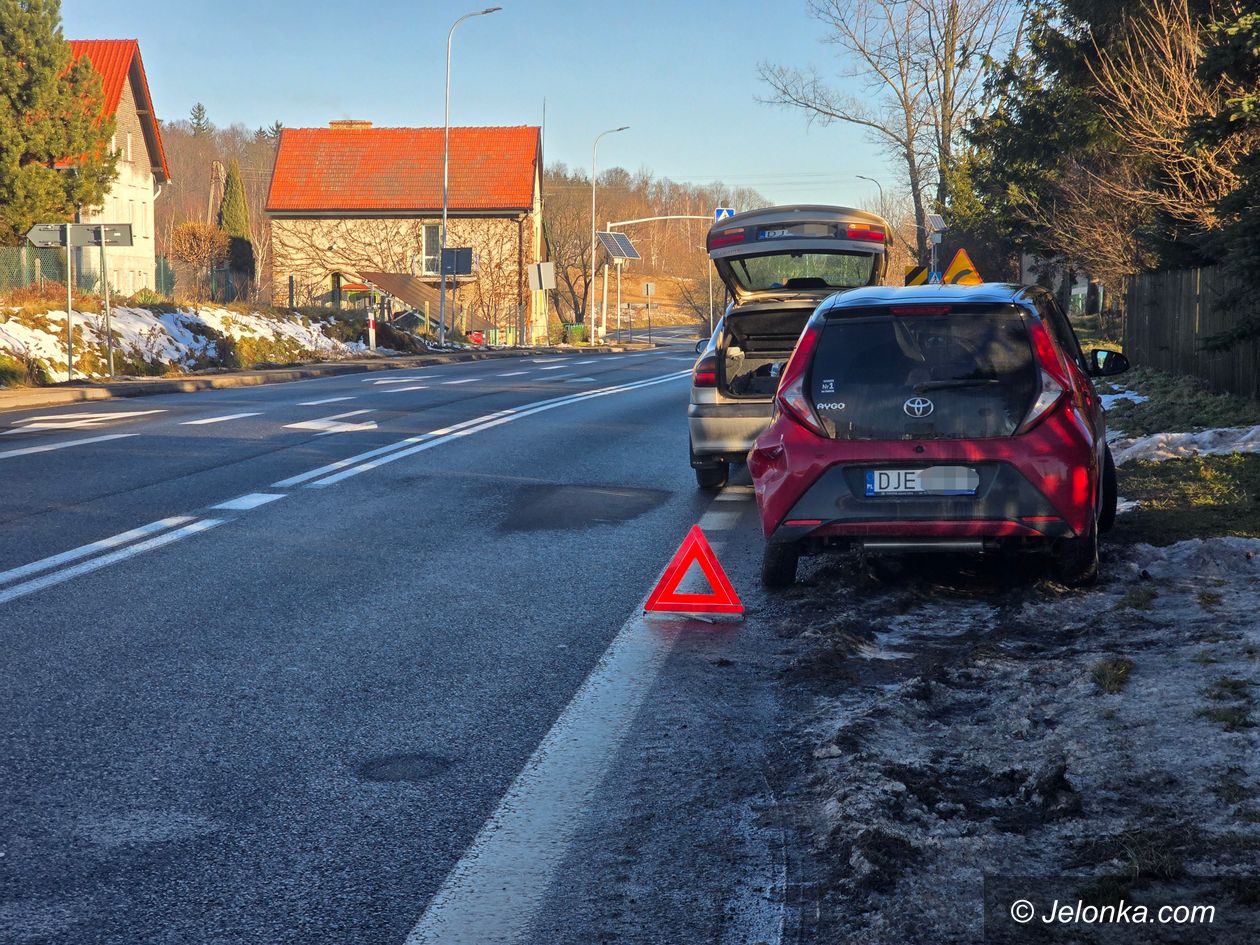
x: 721, y: 213
x: 71, y: 236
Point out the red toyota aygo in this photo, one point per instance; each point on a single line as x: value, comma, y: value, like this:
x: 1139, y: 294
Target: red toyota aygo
x: 937, y: 418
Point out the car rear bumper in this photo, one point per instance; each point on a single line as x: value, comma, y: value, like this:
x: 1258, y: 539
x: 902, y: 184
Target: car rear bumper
x: 725, y: 431
x: 1006, y: 505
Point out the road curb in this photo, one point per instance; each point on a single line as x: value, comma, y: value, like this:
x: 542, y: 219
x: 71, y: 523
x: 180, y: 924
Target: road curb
x: 21, y: 398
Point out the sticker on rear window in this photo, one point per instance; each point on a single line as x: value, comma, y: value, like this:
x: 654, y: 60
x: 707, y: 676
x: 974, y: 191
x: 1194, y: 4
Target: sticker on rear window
x: 828, y: 386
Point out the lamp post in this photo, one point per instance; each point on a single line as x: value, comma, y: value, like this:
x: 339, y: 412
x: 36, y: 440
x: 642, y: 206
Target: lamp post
x: 590, y: 311
x: 877, y: 184
x: 446, y: 166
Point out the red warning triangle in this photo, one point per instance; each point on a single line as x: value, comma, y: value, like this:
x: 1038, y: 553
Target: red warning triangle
x: 695, y: 549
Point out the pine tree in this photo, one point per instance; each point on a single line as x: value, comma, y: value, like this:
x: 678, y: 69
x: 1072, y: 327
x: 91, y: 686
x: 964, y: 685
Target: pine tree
x: 233, y: 211
x: 199, y: 120
x: 234, y: 221
x: 50, y: 113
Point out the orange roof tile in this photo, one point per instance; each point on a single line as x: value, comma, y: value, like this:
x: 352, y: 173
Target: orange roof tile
x: 396, y: 169
x: 113, y: 60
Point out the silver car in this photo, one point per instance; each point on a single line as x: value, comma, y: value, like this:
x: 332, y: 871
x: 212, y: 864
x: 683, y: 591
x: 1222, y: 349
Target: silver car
x: 778, y: 264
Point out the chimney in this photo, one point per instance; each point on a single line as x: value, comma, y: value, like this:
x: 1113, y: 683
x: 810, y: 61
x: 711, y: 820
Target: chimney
x: 349, y: 124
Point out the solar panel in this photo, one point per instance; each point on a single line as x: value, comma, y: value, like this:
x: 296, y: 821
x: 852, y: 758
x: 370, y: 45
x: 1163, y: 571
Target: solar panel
x: 626, y: 246
x: 618, y: 245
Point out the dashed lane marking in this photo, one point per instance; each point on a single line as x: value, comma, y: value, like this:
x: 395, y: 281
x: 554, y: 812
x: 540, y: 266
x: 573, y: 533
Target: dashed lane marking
x: 326, y: 400
x: 512, y: 374
x: 554, y: 367
x: 49, y: 447
x: 401, y: 390
x: 230, y: 416
x: 400, y: 380
x: 462, y: 380
x: 243, y: 503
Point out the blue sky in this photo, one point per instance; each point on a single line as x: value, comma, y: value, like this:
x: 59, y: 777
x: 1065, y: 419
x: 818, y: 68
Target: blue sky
x: 682, y: 75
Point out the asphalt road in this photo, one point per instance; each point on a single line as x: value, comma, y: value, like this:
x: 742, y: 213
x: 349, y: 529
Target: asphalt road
x: 361, y: 659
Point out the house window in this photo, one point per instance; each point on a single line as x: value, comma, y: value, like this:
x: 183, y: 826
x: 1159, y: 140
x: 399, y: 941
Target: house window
x: 432, y: 249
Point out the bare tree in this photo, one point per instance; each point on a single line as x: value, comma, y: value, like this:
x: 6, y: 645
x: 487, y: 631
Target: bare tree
x: 922, y: 62
x: 199, y: 246
x: 1151, y: 81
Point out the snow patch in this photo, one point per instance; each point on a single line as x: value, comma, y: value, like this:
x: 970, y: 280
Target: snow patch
x: 1214, y: 442
x: 1110, y: 400
x: 182, y: 340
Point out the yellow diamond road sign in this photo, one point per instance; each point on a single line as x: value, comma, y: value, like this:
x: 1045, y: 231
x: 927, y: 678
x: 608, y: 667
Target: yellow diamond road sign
x: 961, y: 271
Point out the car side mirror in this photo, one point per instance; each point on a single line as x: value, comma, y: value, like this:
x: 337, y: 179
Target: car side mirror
x: 1103, y: 362
x: 701, y: 345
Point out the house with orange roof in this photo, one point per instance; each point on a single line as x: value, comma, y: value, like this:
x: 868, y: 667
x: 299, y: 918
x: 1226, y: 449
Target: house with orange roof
x: 142, y: 168
x: 351, y: 199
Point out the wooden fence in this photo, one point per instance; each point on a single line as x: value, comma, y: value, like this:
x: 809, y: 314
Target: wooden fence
x: 1168, y: 314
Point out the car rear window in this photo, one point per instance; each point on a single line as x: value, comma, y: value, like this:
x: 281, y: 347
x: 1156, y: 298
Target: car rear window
x: 963, y: 374
x: 804, y: 271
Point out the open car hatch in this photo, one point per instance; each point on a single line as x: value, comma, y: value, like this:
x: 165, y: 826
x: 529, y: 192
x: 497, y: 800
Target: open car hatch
x: 798, y: 252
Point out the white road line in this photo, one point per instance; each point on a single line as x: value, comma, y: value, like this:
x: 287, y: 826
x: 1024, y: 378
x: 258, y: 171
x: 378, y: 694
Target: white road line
x: 512, y: 374
x: 225, y: 417
x: 48, y: 447
x: 400, y: 380
x: 93, y: 564
x: 334, y: 423
x: 243, y: 503
x: 465, y: 380
x: 736, y: 494
x: 437, y: 438
x: 714, y: 521
x: 326, y: 400
x: 494, y: 891
x: 578, y: 380
x: 379, y: 451
x: 554, y: 367
x: 75, y: 421
x: 399, y: 390
x: 83, y: 551
x: 587, y: 361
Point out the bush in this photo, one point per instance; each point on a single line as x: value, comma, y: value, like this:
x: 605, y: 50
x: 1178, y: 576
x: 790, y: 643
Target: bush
x: 22, y: 372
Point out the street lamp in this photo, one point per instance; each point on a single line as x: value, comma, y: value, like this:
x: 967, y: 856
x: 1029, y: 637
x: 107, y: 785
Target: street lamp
x: 877, y: 184
x: 446, y: 167
x: 590, y: 310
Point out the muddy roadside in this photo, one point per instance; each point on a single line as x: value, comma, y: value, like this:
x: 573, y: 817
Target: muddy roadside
x: 957, y: 719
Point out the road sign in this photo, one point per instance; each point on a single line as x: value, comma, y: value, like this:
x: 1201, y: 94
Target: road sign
x: 457, y: 261
x: 721, y: 599
x: 542, y: 276
x: 961, y: 271
x: 46, y: 235
x: 916, y: 275
x: 649, y: 288
x: 720, y: 213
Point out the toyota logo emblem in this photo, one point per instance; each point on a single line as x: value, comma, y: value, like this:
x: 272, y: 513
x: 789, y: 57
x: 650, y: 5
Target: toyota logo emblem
x: 918, y: 407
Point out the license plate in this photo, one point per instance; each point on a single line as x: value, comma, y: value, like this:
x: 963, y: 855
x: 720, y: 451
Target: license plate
x: 935, y: 480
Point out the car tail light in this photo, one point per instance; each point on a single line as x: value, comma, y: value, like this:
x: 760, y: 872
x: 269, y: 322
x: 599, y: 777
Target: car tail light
x: 792, y: 398
x: 726, y: 237
x: 1053, y: 376
x: 861, y: 231
x: 704, y: 374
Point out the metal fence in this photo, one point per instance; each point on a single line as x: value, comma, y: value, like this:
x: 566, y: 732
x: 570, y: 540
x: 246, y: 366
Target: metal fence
x: 1168, y: 316
x: 23, y: 266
